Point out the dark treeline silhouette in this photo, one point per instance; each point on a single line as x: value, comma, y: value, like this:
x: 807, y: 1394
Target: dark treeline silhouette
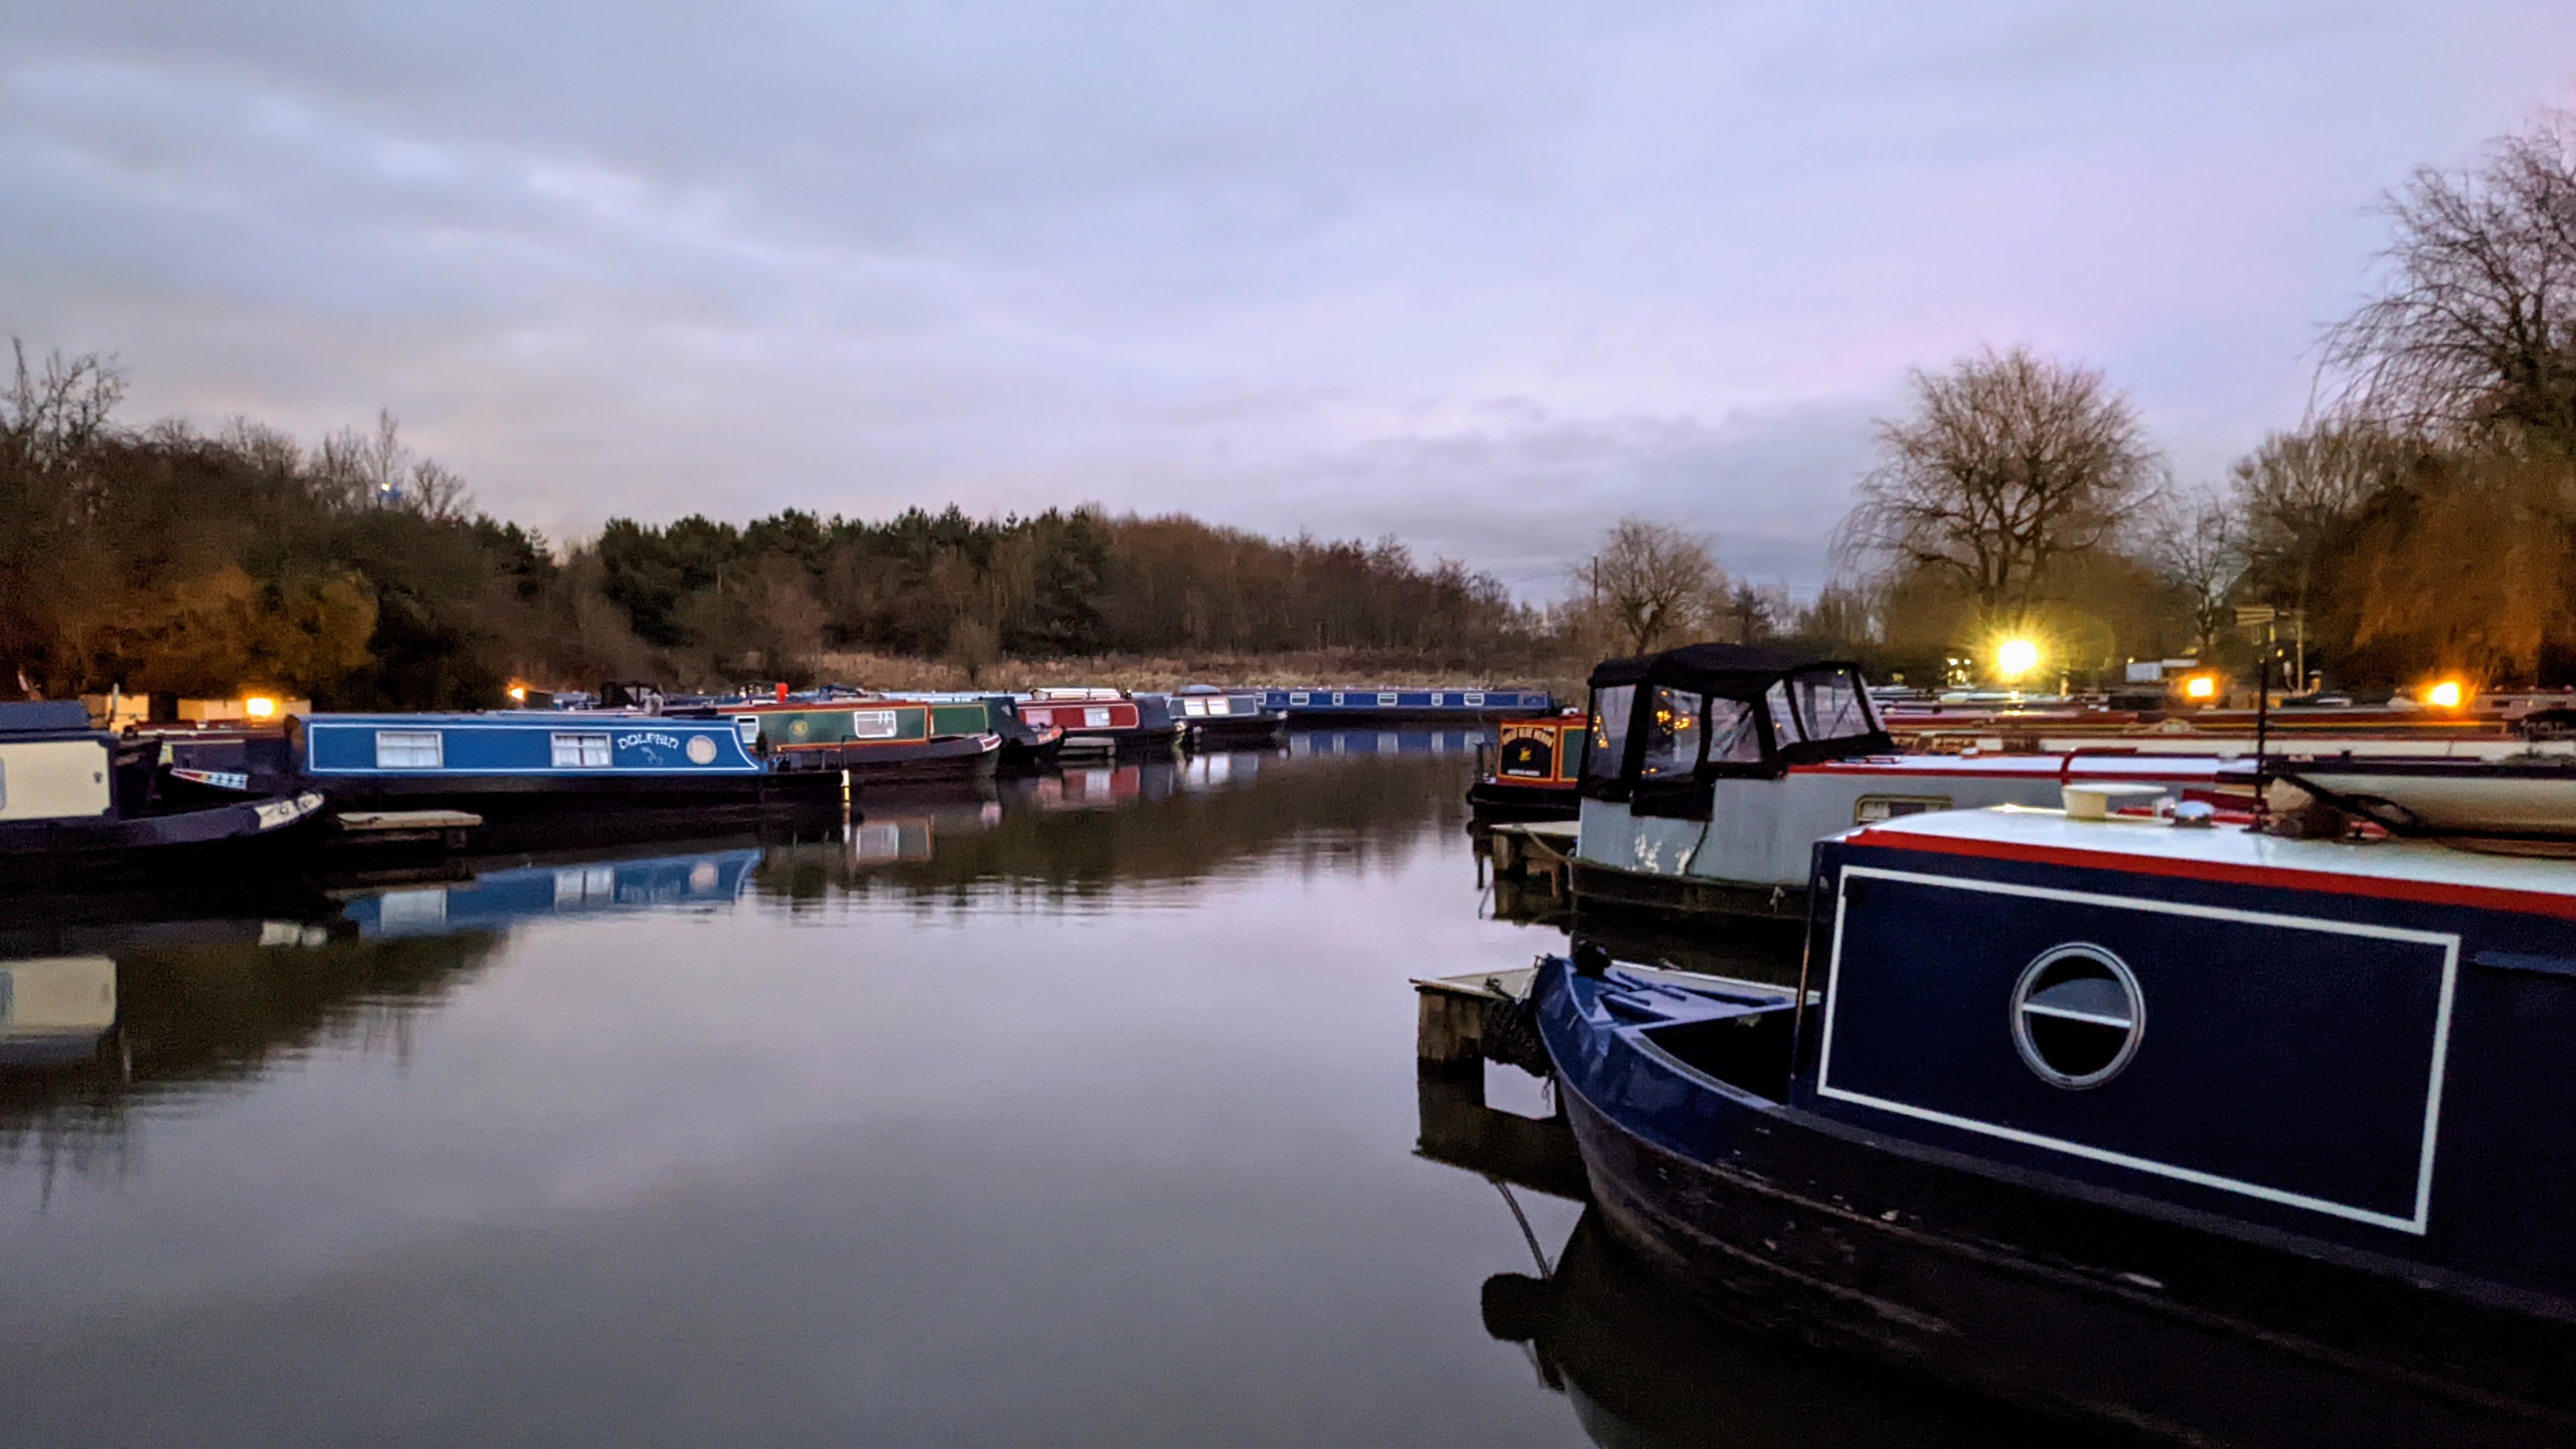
x: 169, y: 560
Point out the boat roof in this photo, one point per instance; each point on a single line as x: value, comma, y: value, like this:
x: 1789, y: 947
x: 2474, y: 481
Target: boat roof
x: 2392, y: 869
x: 47, y: 716
x: 1734, y: 671
x: 554, y: 718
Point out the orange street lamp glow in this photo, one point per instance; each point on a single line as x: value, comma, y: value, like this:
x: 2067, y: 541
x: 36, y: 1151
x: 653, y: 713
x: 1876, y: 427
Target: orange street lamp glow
x: 2445, y: 695
x: 2201, y: 687
x: 518, y: 694
x: 260, y: 706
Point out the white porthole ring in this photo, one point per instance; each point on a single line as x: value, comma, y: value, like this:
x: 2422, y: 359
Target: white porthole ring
x: 2035, y: 980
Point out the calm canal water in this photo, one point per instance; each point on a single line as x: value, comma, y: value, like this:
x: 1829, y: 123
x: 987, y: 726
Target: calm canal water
x: 1084, y: 1117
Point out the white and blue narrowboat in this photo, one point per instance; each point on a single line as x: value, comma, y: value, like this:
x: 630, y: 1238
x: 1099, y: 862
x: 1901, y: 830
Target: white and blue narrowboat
x: 2235, y: 1138
x: 560, y: 768
x: 78, y: 808
x: 1346, y: 705
x: 1709, y: 772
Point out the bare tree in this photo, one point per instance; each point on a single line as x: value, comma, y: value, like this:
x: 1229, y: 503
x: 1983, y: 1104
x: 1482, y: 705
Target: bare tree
x: 2195, y: 541
x: 2474, y: 330
x: 2009, y: 462
x: 1650, y: 584
x: 2299, y: 492
x: 380, y: 470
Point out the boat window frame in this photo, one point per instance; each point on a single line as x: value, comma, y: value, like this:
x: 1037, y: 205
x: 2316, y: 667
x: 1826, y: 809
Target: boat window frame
x: 412, y: 739
x: 1694, y: 717
x: 1610, y: 748
x: 581, y: 740
x: 2026, y: 988
x: 879, y: 724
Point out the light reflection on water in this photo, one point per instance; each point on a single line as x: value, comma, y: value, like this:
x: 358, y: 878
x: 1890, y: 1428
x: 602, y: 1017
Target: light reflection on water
x: 1085, y: 1114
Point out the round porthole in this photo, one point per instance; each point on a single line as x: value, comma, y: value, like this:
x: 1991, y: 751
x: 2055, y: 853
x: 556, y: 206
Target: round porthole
x: 2077, y: 1016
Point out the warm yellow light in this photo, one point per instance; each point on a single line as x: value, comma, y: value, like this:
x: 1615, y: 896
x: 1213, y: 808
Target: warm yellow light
x: 260, y: 706
x: 519, y: 693
x: 2200, y: 686
x: 2016, y: 657
x: 2445, y: 695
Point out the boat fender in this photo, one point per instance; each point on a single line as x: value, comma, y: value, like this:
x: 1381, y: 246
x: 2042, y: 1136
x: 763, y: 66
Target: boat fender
x: 1591, y: 958
x: 1510, y: 1035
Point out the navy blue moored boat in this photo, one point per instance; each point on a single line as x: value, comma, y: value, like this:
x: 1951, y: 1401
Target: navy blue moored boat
x: 2231, y: 1137
x: 79, y: 807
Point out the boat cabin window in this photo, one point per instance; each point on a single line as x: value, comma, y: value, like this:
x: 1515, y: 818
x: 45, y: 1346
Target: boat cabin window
x: 1784, y: 721
x: 872, y: 724
x: 1297, y: 696
x: 1734, y: 733
x: 1387, y: 697
x: 410, y: 750
x: 1528, y: 757
x: 747, y: 726
x: 1609, y: 750
x: 1673, y: 734
x: 1474, y: 698
x: 581, y: 752
x: 1832, y: 706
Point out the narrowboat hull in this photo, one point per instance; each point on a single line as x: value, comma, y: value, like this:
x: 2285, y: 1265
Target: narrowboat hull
x: 1495, y: 802
x: 1749, y: 856
x: 521, y: 812
x: 2525, y: 799
x: 1234, y: 732
x: 249, y: 839
x: 2108, y: 1308
x: 944, y: 758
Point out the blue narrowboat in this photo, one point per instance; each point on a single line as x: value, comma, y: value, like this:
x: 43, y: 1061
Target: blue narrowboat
x: 562, y: 768
x: 1346, y: 705
x: 80, y: 807
x: 2232, y: 1137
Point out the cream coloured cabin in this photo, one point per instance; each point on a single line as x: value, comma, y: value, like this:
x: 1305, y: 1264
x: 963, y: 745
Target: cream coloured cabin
x: 53, y: 779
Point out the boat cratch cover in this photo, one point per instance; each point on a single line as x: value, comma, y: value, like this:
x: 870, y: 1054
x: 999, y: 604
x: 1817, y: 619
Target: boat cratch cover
x: 1666, y: 727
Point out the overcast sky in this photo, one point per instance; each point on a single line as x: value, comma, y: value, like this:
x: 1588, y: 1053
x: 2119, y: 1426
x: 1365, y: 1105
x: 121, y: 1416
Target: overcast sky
x: 1482, y: 275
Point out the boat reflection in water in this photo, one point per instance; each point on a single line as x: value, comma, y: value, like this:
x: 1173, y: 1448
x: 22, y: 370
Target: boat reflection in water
x: 168, y: 995
x: 55, y: 1010
x: 497, y: 899
x: 1644, y: 1368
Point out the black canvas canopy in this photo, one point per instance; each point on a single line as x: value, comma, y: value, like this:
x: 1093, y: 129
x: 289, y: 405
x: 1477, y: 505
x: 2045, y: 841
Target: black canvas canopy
x: 1667, y: 726
x: 1730, y: 671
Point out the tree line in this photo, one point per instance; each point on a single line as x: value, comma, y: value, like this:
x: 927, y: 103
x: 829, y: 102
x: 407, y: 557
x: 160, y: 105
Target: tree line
x: 167, y: 559
x: 2421, y: 519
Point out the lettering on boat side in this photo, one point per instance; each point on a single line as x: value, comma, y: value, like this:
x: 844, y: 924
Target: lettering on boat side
x: 2261, y: 1080
x: 628, y: 742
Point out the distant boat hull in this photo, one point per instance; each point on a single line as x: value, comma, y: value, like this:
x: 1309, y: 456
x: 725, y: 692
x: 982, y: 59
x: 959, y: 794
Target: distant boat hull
x: 1497, y: 801
x: 252, y: 838
x: 942, y: 758
x: 2505, y: 800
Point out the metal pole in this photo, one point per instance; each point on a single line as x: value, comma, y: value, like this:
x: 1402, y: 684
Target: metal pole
x: 2263, y: 722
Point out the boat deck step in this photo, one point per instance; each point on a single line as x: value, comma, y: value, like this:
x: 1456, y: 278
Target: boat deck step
x: 372, y: 821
